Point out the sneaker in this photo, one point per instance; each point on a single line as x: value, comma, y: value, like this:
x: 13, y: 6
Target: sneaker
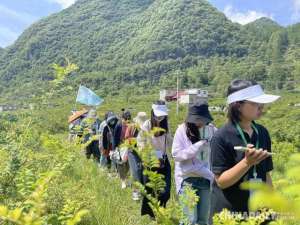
x: 135, y: 196
x: 123, y: 185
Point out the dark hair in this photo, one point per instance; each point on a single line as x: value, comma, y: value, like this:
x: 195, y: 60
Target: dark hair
x: 126, y: 115
x: 192, y: 132
x: 107, y: 114
x: 113, y: 122
x: 234, y: 113
x: 162, y: 124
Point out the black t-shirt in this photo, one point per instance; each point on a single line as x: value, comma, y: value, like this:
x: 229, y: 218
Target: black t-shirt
x: 224, y: 157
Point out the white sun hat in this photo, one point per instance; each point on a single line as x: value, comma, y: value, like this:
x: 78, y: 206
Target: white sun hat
x: 253, y: 94
x: 160, y: 110
x: 140, y: 118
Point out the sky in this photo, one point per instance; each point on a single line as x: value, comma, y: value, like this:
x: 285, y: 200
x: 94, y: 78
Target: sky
x: 17, y: 15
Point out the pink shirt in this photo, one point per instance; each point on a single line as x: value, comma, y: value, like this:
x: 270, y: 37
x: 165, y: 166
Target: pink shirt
x: 191, y: 160
x: 124, y: 129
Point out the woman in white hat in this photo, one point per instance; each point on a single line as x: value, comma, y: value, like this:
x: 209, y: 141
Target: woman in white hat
x: 161, y: 141
x: 241, y: 149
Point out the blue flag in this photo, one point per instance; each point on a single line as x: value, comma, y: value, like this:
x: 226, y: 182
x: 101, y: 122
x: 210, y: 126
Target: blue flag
x: 88, y: 97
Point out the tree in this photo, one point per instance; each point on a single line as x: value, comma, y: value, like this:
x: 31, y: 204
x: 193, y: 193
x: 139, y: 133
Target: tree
x: 276, y: 75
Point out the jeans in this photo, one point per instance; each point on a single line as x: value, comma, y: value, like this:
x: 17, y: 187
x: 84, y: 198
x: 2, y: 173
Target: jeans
x: 200, y: 213
x: 106, y: 162
x: 136, y: 167
x: 103, y: 161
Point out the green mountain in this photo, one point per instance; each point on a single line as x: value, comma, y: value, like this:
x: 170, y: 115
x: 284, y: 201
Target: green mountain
x: 264, y: 23
x: 142, y: 42
x: 263, y: 28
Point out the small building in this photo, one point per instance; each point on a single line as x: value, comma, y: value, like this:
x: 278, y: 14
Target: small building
x: 167, y: 95
x: 194, y: 96
x: 192, y: 99
x: 189, y: 96
x: 199, y: 92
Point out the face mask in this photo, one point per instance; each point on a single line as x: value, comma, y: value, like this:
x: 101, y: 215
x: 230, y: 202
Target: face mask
x: 112, y: 123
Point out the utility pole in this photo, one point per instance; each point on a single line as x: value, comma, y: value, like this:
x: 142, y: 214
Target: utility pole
x: 177, y: 94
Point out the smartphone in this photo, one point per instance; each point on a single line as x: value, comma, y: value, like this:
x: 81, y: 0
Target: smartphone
x: 243, y: 149
x: 240, y: 148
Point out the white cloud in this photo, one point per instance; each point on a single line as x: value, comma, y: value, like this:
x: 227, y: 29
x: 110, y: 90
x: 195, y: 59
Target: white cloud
x: 63, y: 3
x: 20, y: 17
x: 243, y: 17
x: 12, y: 23
x: 296, y: 11
x: 7, y: 36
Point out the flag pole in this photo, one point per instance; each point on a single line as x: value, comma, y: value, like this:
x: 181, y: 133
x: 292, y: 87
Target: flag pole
x: 177, y: 95
x: 75, y: 105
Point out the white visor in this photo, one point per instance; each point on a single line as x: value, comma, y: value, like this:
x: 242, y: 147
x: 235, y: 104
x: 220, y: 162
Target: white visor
x: 253, y: 94
x: 160, y: 110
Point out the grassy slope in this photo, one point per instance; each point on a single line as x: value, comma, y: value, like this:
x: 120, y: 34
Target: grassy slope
x: 274, y: 114
x: 108, y: 204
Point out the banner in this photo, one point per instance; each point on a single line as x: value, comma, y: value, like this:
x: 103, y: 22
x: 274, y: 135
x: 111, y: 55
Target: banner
x: 88, y: 97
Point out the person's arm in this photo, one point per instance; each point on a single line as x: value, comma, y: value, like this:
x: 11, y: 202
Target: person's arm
x: 180, y: 153
x: 142, y: 138
x: 234, y: 174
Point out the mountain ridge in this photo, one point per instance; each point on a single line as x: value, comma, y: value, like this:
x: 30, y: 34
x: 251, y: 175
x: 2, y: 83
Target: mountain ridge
x: 133, y: 41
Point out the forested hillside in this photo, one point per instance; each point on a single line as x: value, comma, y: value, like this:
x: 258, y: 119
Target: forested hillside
x: 144, y: 42
x: 125, y: 51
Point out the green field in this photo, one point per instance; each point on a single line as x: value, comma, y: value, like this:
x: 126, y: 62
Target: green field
x: 33, y: 143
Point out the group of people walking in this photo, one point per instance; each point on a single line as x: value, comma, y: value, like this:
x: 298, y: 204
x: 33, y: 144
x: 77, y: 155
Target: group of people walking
x: 214, y: 162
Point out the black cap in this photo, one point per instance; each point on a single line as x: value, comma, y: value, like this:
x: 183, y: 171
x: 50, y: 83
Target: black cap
x: 126, y: 115
x: 198, y: 113
x: 110, y: 116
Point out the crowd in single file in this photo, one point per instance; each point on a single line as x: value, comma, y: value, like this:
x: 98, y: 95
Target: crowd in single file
x: 212, y: 161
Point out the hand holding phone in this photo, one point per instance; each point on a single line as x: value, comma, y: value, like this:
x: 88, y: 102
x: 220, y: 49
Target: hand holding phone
x: 244, y: 149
